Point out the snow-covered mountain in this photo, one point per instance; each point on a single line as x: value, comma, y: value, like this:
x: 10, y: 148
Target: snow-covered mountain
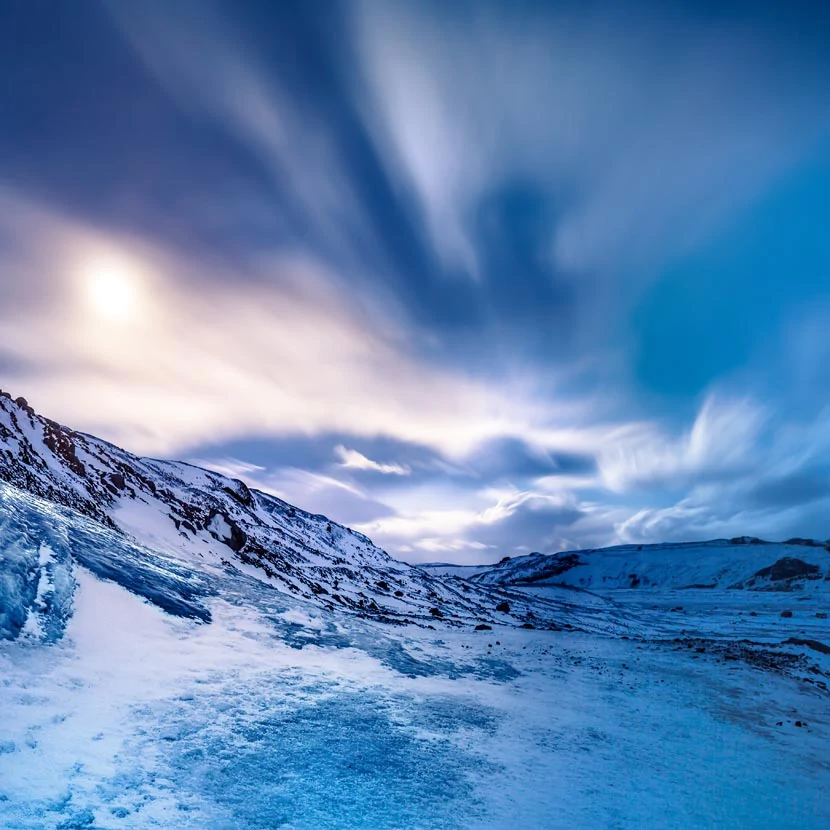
x: 801, y: 565
x: 196, y: 515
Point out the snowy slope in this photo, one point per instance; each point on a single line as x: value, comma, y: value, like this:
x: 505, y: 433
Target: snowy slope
x: 738, y: 564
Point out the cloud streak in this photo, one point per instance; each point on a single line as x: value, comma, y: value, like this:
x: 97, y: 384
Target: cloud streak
x: 352, y: 459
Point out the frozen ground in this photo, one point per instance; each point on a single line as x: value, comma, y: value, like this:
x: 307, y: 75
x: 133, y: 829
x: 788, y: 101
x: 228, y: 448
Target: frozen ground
x: 240, y: 706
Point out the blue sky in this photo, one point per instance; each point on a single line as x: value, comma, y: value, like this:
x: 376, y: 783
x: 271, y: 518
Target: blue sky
x: 475, y: 278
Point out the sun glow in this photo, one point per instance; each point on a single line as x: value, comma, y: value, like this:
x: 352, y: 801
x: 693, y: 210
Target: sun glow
x: 111, y: 288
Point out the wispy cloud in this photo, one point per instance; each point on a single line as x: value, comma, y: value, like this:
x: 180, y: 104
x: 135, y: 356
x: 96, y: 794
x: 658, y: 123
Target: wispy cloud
x: 646, y: 129
x: 723, y: 441
x: 352, y: 459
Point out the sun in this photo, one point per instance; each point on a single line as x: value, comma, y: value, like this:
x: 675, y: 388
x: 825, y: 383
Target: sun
x: 111, y: 288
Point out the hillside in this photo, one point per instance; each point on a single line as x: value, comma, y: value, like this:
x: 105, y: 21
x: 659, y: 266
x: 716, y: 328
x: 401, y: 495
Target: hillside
x: 800, y: 565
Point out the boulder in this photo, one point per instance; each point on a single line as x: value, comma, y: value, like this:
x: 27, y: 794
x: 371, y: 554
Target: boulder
x: 224, y: 529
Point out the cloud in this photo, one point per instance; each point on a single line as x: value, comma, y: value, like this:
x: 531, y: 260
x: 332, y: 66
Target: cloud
x: 511, y: 522
x: 292, y: 353
x: 205, y: 356
x: 352, y: 459
x: 780, y: 488
x: 647, y: 129
x: 231, y: 467
x: 722, y: 442
x: 206, y: 62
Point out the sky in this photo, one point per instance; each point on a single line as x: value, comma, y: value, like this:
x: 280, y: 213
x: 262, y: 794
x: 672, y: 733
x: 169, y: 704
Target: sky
x: 477, y: 279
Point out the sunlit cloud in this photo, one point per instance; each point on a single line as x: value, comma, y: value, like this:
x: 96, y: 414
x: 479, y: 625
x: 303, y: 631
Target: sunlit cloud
x: 352, y: 459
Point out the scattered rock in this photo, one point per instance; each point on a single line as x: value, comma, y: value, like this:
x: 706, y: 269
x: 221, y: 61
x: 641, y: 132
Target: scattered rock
x: 436, y: 612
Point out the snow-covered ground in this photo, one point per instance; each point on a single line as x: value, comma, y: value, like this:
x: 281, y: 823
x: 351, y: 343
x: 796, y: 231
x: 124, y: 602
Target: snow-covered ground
x: 243, y: 706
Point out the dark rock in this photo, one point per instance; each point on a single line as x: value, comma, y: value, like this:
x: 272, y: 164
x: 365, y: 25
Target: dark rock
x: 556, y: 565
x: 821, y: 615
x: 528, y: 625
x: 483, y: 627
x: 239, y: 491
x: 224, y: 529
x: 786, y: 614
x: 398, y: 593
x: 503, y: 607
x: 789, y: 568
x: 24, y: 404
x: 117, y: 481
x: 436, y: 612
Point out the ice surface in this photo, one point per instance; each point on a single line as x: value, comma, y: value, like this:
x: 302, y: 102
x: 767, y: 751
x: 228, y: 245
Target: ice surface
x: 182, y: 694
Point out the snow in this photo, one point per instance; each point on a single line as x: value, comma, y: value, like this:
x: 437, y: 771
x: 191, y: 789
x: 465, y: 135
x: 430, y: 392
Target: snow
x: 271, y: 713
